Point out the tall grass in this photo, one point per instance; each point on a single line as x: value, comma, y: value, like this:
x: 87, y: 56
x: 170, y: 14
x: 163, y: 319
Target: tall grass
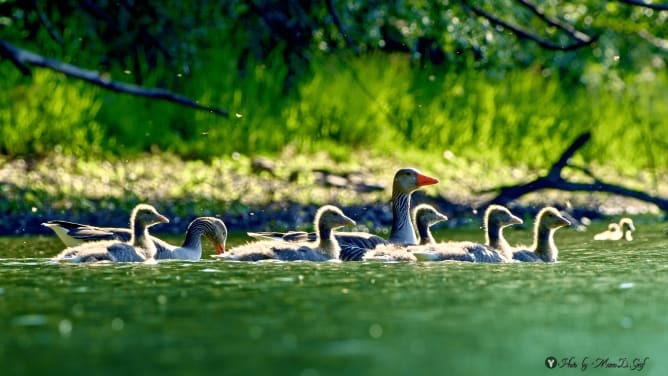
x: 374, y: 102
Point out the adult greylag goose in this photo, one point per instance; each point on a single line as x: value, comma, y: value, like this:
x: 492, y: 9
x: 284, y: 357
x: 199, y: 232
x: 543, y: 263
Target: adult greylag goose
x: 324, y: 248
x: 496, y: 218
x: 74, y: 234
x: 543, y: 249
x: 405, y: 182
x: 139, y: 248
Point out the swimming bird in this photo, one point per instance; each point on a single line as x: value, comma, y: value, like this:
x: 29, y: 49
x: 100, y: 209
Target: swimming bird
x: 429, y: 250
x: 627, y: 227
x: 73, y: 234
x: 405, y: 182
x: 456, y: 251
x: 614, y: 232
x: 425, y: 216
x: 324, y: 248
x: 496, y: 218
x: 617, y: 231
x: 543, y: 249
x: 139, y: 248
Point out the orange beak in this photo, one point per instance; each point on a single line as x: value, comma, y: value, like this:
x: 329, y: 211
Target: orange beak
x: 425, y: 180
x: 220, y: 248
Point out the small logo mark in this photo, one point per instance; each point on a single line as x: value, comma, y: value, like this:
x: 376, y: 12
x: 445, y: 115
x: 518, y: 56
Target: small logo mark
x: 551, y: 362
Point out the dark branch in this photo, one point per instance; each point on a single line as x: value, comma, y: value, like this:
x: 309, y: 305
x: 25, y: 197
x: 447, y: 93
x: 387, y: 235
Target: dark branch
x: 526, y: 34
x: 20, y: 57
x: 555, y: 171
x: 47, y: 24
x: 553, y: 180
x: 645, y: 5
x: 654, y: 40
x: 569, y: 29
x: 339, y: 25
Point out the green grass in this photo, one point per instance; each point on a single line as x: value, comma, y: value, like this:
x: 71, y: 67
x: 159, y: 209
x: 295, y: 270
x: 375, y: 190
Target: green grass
x: 342, y: 105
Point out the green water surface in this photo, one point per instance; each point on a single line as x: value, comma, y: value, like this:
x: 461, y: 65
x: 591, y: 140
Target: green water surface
x: 605, y: 300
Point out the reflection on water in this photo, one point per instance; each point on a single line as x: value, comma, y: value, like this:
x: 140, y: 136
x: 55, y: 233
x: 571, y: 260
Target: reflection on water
x: 603, y: 299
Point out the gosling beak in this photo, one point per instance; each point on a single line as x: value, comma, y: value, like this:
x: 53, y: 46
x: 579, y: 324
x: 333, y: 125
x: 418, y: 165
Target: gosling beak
x: 423, y: 180
x: 163, y: 219
x: 514, y: 220
x: 443, y: 217
x: 220, y: 248
x: 564, y: 222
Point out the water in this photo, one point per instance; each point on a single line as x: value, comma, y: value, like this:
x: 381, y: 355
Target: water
x: 603, y: 300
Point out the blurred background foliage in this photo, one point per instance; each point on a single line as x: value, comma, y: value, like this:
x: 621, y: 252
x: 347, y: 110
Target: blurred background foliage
x: 338, y: 76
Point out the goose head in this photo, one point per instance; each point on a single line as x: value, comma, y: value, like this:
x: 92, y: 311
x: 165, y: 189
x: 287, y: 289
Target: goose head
x: 407, y: 180
x: 549, y: 218
x: 214, y: 230
x: 425, y: 215
x: 144, y: 215
x: 330, y: 217
x: 614, y: 227
x: 499, y: 216
x: 626, y: 224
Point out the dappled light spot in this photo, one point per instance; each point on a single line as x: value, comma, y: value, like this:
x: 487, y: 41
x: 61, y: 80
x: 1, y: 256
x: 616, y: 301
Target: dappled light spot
x: 117, y: 324
x: 210, y: 270
x: 65, y: 328
x: 627, y: 322
x: 376, y: 331
x: 626, y: 285
x: 30, y: 320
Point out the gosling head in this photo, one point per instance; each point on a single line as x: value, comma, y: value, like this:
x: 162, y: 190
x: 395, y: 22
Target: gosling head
x: 549, y: 218
x: 146, y: 215
x: 626, y: 224
x: 331, y: 217
x: 425, y: 215
x: 499, y: 216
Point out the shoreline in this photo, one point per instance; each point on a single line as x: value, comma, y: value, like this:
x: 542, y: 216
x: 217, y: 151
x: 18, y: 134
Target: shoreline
x: 274, y: 194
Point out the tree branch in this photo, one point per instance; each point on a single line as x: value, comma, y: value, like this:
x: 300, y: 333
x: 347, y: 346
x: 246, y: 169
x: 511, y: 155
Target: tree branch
x: 553, y: 180
x: 555, y: 170
x: 526, y: 34
x: 339, y: 25
x: 45, y: 21
x: 645, y: 5
x: 569, y: 29
x: 20, y: 57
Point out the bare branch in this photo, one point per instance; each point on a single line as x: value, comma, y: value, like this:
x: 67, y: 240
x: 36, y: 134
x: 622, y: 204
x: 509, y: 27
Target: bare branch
x: 569, y: 29
x: 654, y: 40
x: 339, y: 25
x: 645, y: 5
x: 585, y: 170
x: 555, y: 170
x: 20, y: 57
x: 47, y: 24
x: 526, y: 34
x: 553, y: 180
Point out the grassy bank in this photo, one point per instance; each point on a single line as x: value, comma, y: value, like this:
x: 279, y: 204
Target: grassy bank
x: 104, y: 192
x: 380, y: 103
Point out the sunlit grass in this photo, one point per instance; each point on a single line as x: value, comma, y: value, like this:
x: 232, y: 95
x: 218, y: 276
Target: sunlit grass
x: 342, y: 106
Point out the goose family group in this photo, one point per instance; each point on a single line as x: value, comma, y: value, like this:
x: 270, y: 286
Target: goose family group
x: 410, y: 237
